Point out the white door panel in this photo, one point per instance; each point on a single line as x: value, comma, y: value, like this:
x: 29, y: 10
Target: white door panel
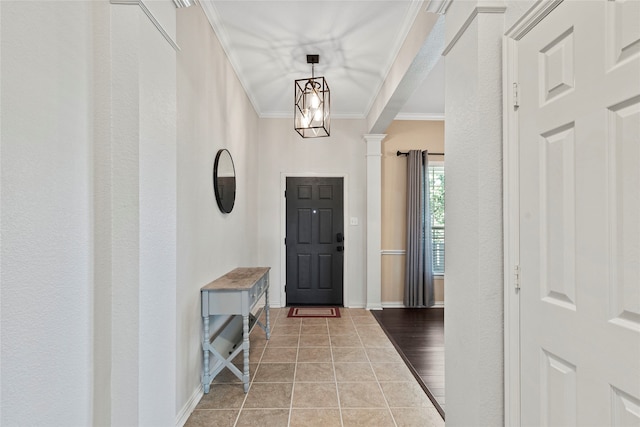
x: 579, y: 156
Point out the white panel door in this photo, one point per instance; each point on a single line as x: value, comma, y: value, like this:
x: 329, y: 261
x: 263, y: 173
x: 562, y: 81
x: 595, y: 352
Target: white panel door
x: 579, y: 145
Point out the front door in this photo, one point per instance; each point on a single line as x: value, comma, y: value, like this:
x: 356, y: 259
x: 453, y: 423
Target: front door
x: 315, y: 241
x: 579, y: 145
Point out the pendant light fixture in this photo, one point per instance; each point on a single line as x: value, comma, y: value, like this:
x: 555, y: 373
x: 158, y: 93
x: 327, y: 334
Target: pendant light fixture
x: 311, y: 117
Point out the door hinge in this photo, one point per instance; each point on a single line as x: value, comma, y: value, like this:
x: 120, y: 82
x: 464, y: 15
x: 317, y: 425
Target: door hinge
x: 516, y: 96
x: 285, y: 194
x: 516, y: 280
x: 285, y: 240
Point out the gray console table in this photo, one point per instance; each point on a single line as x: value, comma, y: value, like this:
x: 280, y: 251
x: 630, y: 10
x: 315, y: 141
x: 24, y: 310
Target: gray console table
x: 236, y: 293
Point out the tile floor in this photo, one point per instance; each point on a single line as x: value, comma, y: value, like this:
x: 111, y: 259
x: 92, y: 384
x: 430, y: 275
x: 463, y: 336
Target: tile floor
x: 319, y: 372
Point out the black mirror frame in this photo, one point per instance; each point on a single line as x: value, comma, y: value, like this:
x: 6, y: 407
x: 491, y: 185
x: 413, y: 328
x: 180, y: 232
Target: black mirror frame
x: 224, y: 208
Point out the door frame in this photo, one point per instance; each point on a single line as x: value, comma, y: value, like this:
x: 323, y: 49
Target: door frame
x: 283, y: 229
x: 511, y: 205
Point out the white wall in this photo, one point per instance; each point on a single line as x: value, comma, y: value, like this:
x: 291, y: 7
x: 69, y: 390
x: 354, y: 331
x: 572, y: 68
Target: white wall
x: 283, y: 151
x: 213, y: 113
x: 474, y: 294
x: 88, y: 214
x: 46, y: 222
x: 135, y: 216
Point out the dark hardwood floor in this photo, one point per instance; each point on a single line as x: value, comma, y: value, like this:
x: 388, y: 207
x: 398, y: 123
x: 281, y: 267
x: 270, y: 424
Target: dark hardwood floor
x: 418, y: 334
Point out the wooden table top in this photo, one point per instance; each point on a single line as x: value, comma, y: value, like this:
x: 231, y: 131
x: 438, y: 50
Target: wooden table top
x: 238, y: 279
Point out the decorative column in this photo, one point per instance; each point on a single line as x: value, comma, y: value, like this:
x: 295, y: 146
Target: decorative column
x: 374, y: 224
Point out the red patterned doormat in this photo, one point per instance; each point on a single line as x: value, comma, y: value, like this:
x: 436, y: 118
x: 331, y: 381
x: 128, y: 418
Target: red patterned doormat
x: 314, y: 312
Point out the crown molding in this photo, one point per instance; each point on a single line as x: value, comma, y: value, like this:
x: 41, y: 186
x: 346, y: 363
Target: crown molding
x: 530, y: 19
x: 216, y: 24
x: 289, y: 115
x: 488, y: 8
x: 420, y: 116
x: 439, y: 6
x: 410, y: 18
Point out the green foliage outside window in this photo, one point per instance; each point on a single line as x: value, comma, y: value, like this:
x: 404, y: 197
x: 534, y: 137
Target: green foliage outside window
x: 436, y: 202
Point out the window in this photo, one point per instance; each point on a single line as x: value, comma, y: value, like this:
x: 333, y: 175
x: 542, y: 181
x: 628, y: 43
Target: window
x: 436, y: 203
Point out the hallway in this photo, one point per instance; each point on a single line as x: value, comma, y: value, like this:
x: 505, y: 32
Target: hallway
x: 418, y: 334
x: 319, y: 372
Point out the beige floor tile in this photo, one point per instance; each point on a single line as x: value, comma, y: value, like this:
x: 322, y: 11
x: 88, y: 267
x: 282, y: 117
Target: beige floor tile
x: 365, y: 320
x: 360, y: 395
x: 287, y: 321
x: 285, y: 330
x: 258, y: 339
x: 352, y: 372
x: 315, y: 418
x: 384, y: 355
x: 279, y: 355
x: 212, y: 417
x: 405, y: 395
x: 411, y: 417
x: 375, y: 342
x: 275, y: 372
x: 315, y: 395
x: 314, y: 330
x: 340, y: 321
x: 255, y: 354
x: 349, y: 354
x: 345, y: 341
x: 223, y: 396
x: 367, y: 418
x: 353, y: 312
x: 311, y: 321
x: 331, y: 372
x: 263, y: 418
x: 392, y: 372
x: 314, y: 354
x: 314, y: 340
x: 342, y: 329
x: 227, y: 377
x: 370, y: 330
x: 315, y: 372
x: 278, y: 311
x: 269, y: 395
x: 283, y: 341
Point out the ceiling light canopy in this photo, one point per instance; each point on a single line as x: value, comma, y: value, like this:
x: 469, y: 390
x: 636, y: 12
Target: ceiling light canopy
x: 311, y: 117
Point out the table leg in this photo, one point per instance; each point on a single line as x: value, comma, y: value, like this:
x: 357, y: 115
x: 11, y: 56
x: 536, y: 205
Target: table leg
x: 245, y: 347
x: 266, y: 309
x: 205, y: 375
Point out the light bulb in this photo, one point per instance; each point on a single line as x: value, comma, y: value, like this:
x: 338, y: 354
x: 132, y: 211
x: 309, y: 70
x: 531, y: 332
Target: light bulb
x: 306, y: 118
x: 315, y: 100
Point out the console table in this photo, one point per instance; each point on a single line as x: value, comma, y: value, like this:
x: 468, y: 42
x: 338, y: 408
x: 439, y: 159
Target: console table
x: 236, y: 293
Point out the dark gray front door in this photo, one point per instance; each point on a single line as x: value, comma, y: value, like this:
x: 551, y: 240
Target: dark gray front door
x: 315, y: 246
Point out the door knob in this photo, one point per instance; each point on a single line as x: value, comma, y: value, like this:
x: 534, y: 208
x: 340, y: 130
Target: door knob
x: 340, y: 248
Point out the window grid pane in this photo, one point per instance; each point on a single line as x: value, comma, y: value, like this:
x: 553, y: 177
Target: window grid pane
x: 436, y: 199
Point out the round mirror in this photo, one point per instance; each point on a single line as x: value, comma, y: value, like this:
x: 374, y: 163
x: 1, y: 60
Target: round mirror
x: 224, y: 181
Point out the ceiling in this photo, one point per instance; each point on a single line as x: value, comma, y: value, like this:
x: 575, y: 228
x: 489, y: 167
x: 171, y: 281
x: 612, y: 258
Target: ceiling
x: 357, y: 40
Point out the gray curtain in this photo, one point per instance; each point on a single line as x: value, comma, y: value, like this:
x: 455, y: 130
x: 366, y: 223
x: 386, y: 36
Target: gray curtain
x: 418, y: 289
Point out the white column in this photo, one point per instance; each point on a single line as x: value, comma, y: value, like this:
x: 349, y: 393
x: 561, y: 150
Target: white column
x: 374, y: 224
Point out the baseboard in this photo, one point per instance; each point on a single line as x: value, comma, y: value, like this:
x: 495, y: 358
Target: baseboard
x: 400, y: 304
x: 393, y: 304
x: 188, y: 407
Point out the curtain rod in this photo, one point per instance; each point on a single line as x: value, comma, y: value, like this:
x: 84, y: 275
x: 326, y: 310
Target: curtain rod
x: 400, y: 153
